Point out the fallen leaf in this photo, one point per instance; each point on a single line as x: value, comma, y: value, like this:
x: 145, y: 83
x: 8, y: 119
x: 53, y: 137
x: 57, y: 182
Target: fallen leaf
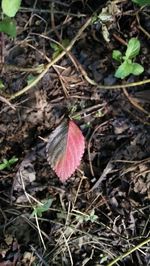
x: 65, y: 149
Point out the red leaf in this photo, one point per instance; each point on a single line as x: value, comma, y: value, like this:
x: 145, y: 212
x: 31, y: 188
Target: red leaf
x: 65, y: 149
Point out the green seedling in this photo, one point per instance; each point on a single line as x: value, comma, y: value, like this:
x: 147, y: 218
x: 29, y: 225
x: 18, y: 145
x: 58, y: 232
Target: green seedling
x: 6, y: 164
x: 40, y: 208
x: 57, y: 48
x: 127, y: 64
x: 92, y: 217
x: 9, y: 10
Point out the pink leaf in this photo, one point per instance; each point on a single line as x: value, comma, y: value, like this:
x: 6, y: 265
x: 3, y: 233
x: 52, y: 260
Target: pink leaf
x: 65, y: 149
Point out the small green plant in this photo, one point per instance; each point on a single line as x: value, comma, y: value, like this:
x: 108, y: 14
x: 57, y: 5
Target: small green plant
x: 9, y: 10
x: 6, y: 164
x: 40, y: 208
x: 128, y: 66
x: 57, y: 48
x: 81, y: 217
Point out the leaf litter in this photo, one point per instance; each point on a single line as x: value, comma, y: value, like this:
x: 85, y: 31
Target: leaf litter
x: 77, y: 224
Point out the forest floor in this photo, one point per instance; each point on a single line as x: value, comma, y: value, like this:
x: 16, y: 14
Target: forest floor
x: 101, y: 215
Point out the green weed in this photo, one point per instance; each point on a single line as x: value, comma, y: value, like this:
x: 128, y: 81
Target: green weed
x: 59, y: 48
x: 9, y: 10
x: 128, y: 66
x: 40, y: 208
x: 6, y: 164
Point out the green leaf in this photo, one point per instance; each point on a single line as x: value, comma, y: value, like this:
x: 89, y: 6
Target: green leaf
x: 133, y: 48
x: 117, y: 55
x: 137, y: 69
x: 42, y: 208
x: 57, y: 48
x: 93, y: 216
x: 142, y: 2
x: 3, y: 166
x: 124, y: 70
x: 10, y: 7
x: 94, y: 19
x: 54, y: 46
x: 65, y: 42
x: 55, y: 54
x: 13, y: 160
x: 80, y: 218
x: 7, y: 163
x: 8, y: 26
x: 30, y: 79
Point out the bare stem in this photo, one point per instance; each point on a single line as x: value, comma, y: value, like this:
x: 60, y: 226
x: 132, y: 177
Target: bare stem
x: 146, y: 241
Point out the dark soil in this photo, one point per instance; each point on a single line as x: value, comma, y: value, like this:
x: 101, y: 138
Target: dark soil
x: 103, y: 210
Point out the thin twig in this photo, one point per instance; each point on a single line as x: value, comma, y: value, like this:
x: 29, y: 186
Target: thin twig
x: 119, y: 39
x: 140, y: 27
x: 84, y: 111
x: 36, y: 218
x: 38, y: 255
x: 4, y: 100
x: 53, y: 22
x: 39, y: 230
x: 89, y: 144
x: 67, y: 245
x: 78, y: 189
x: 14, y: 68
x: 28, y: 10
x: 40, y: 76
x: 54, y: 67
x: 113, y: 87
x: 134, y: 102
x: 146, y: 241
